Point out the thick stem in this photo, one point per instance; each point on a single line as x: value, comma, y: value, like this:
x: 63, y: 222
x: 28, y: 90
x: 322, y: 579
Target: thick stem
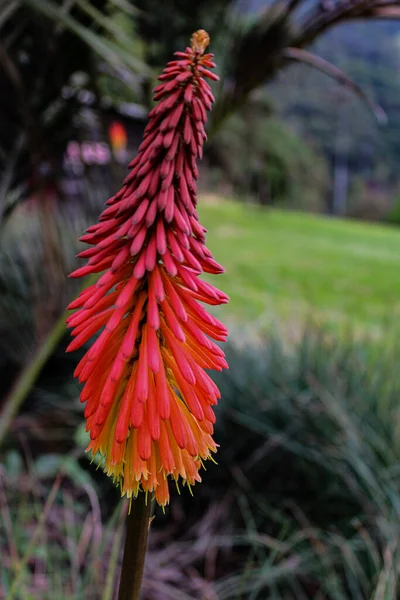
x: 137, y: 528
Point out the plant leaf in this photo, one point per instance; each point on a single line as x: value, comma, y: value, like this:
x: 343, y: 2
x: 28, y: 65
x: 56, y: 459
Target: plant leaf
x: 328, y: 68
x: 7, y: 9
x: 387, y: 12
x: 110, y: 51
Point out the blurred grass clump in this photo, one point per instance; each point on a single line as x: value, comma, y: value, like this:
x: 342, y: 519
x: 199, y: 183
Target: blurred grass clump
x: 304, y: 503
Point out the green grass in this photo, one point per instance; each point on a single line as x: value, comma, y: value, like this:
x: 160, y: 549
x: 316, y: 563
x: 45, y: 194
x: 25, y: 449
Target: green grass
x: 294, y: 266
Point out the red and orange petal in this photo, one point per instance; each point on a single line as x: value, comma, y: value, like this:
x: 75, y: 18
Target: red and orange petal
x: 148, y: 395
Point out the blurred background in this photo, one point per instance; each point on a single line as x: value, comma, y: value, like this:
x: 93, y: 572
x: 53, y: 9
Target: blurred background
x: 300, y: 192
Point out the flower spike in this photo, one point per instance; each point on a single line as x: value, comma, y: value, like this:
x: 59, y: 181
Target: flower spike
x: 148, y: 395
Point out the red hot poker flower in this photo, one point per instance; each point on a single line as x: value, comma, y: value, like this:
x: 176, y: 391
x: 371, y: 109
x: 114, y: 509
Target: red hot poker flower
x: 148, y: 396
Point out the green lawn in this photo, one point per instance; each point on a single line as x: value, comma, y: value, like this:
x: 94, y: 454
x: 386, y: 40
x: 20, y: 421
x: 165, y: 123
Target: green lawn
x: 295, y: 266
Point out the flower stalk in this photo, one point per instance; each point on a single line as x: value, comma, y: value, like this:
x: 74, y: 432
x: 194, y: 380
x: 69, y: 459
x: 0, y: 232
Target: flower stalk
x: 137, y: 528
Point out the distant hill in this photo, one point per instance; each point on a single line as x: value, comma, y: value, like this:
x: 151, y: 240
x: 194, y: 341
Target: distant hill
x: 336, y: 122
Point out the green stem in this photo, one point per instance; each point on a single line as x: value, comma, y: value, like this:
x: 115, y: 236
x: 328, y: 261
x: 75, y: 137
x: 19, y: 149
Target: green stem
x: 32, y: 370
x: 28, y: 377
x: 137, y: 528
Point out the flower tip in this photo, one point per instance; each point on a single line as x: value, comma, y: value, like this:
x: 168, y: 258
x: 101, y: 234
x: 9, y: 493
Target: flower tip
x: 200, y: 40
